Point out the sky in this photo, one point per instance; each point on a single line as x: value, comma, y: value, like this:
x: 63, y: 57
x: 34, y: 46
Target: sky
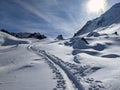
x: 49, y: 17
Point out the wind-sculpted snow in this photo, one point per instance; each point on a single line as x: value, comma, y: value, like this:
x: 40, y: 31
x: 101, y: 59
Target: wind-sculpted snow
x: 64, y: 65
x: 77, y: 43
x: 94, y: 65
x: 111, y: 56
x: 75, y: 72
x: 6, y: 39
x: 101, y: 51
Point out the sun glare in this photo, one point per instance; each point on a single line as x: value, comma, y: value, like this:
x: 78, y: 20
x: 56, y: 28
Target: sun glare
x: 96, y: 6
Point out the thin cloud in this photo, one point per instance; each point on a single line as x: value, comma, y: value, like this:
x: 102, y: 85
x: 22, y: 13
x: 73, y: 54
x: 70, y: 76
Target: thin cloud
x: 58, y: 19
x: 48, y: 16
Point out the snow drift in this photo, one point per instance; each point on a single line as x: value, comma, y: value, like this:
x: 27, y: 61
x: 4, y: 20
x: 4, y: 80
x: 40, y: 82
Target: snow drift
x: 6, y: 39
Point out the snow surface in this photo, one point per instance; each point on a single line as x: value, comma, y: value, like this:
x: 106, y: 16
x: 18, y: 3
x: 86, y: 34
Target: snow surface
x: 23, y: 70
x: 6, y: 39
x: 96, y: 66
x: 71, y: 64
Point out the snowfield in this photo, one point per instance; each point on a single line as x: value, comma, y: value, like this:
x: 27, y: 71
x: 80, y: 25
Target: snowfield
x: 6, y: 40
x: 23, y: 70
x: 96, y: 66
x: 51, y: 64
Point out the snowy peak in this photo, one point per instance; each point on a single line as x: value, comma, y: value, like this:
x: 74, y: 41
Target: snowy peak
x: 29, y: 35
x: 111, y: 17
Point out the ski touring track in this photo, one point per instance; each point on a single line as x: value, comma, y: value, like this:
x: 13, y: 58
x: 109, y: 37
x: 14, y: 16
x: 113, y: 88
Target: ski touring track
x: 67, y: 81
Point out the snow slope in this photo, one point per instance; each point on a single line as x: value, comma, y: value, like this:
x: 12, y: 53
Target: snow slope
x: 6, y: 39
x: 108, y: 19
x: 21, y: 69
x: 96, y: 66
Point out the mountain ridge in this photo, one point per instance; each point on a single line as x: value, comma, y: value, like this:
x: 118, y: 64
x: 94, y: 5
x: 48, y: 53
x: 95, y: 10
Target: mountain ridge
x: 25, y: 34
x: 107, y: 19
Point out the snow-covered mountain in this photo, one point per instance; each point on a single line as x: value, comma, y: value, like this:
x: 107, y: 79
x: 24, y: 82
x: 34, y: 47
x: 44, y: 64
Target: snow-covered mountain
x: 110, y: 19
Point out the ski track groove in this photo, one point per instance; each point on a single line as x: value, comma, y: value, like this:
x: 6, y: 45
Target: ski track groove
x: 58, y: 62
x: 68, y: 82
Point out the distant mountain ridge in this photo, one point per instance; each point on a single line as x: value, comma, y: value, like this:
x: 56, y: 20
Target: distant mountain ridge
x: 25, y: 34
x: 110, y: 17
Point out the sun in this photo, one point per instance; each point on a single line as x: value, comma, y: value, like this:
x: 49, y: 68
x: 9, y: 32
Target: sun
x: 96, y: 6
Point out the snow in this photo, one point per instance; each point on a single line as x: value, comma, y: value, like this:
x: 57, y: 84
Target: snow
x: 56, y: 47
x: 23, y: 70
x: 96, y: 64
x: 6, y: 39
x: 62, y: 64
x: 91, y: 62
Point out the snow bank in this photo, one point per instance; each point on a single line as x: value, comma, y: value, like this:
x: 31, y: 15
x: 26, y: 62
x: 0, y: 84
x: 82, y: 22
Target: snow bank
x: 6, y: 39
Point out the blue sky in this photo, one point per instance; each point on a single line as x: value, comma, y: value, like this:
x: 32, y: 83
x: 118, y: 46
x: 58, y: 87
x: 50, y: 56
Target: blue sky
x: 50, y: 17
